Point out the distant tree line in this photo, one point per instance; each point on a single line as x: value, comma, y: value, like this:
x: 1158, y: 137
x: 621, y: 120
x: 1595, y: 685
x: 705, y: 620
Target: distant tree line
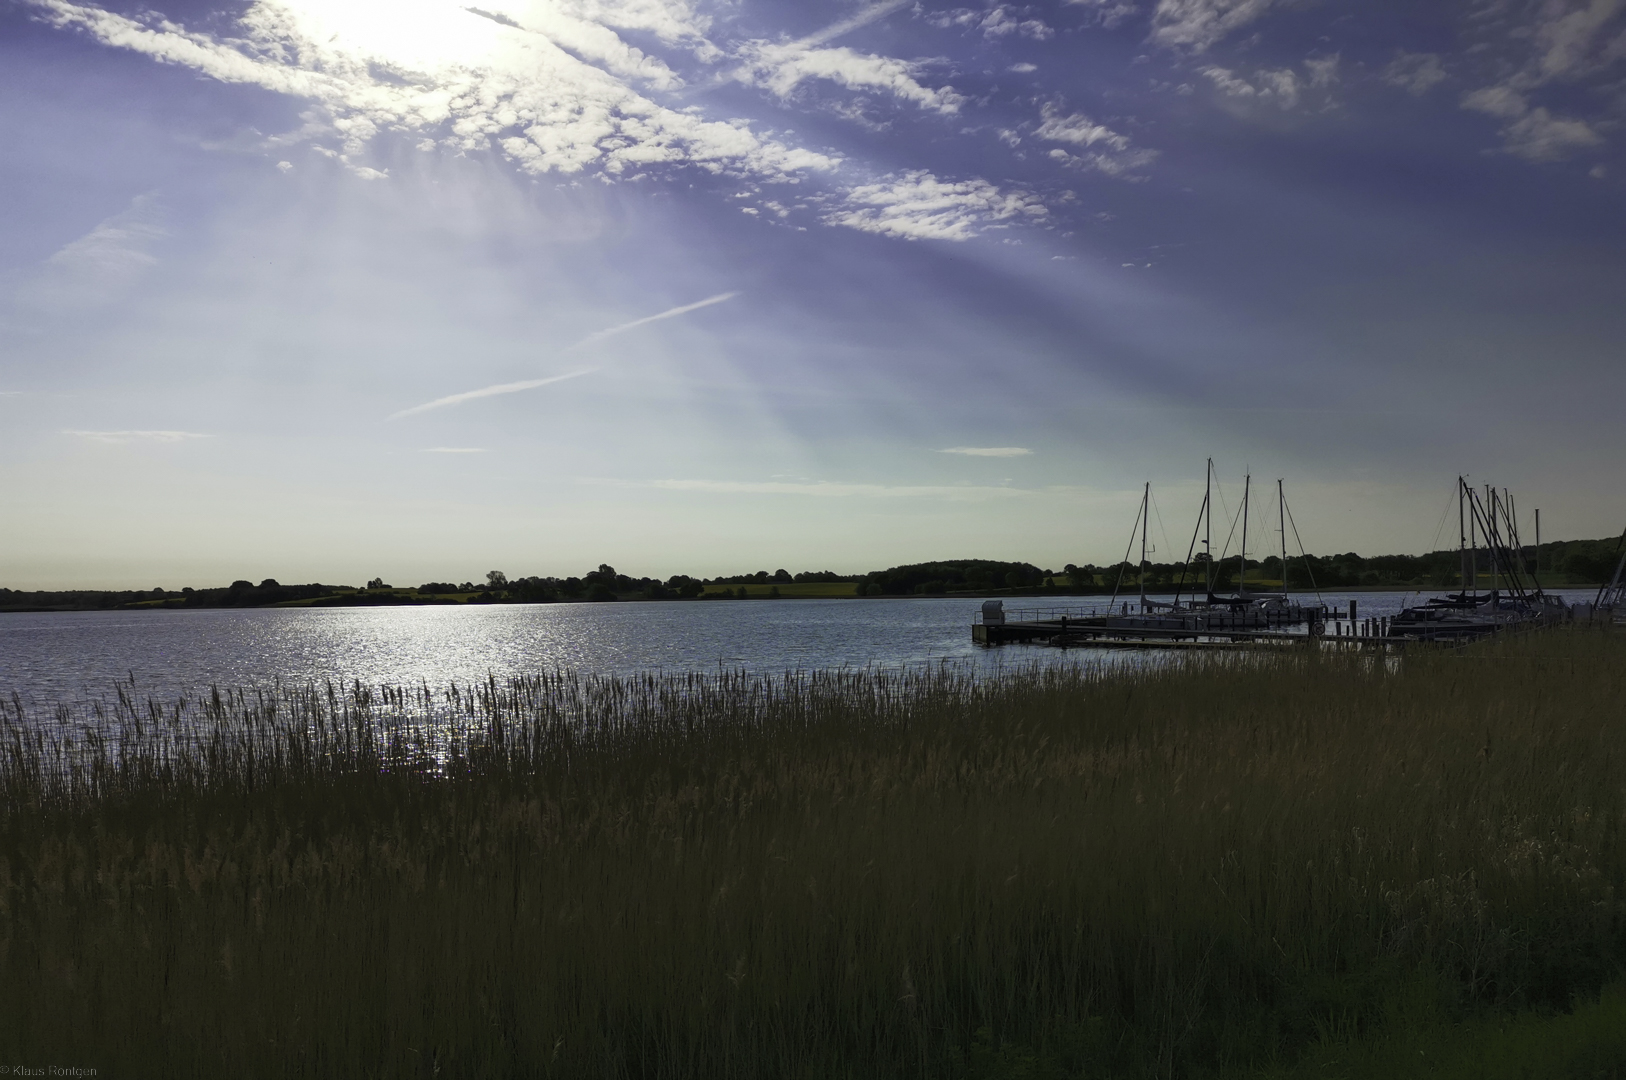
x: 954, y: 575
x: 1562, y: 562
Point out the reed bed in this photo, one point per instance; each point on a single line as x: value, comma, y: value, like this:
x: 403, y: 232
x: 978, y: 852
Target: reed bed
x: 1204, y: 867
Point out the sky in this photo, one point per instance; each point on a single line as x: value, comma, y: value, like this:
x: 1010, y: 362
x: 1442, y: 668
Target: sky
x: 328, y: 290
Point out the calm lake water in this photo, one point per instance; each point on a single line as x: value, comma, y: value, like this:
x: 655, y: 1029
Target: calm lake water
x: 66, y: 656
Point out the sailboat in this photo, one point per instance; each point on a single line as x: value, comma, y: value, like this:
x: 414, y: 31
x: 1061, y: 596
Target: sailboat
x: 1470, y: 613
x: 1243, y: 608
x: 1147, y: 610
x: 1611, y: 598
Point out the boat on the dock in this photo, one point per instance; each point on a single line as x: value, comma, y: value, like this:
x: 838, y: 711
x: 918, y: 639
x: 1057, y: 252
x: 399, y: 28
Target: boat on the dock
x: 1612, y: 597
x: 1244, y: 609
x: 1510, y: 603
x: 1186, y: 621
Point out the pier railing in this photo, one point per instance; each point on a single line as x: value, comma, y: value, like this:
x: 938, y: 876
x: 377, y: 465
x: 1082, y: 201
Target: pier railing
x: 1193, y: 618
x: 1056, y: 614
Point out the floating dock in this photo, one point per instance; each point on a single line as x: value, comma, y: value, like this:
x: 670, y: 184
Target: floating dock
x: 1220, y: 628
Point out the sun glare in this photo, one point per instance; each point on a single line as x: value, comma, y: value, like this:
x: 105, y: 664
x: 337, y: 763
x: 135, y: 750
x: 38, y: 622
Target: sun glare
x: 404, y: 37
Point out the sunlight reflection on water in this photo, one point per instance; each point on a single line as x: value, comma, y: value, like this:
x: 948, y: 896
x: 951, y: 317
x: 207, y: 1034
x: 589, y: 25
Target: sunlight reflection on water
x: 61, y: 656
x: 57, y: 656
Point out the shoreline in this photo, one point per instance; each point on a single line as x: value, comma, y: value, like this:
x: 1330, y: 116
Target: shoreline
x: 361, y: 599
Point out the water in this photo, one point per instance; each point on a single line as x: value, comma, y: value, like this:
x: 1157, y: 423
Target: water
x: 65, y: 656
x: 60, y: 656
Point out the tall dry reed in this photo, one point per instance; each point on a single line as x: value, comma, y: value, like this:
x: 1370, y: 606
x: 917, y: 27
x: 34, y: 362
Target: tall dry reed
x: 822, y: 875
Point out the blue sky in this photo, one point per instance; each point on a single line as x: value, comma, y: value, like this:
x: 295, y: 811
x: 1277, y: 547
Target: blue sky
x: 975, y: 273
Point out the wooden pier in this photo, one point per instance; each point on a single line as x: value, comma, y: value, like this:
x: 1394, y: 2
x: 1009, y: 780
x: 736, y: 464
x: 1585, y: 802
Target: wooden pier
x: 1223, y: 629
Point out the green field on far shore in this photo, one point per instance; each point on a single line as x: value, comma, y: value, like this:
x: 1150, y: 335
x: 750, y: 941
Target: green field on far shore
x: 793, y: 590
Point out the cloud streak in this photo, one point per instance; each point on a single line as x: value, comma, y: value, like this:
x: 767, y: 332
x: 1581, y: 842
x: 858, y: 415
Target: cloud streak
x: 137, y: 436
x: 594, y: 338
x: 671, y: 313
x: 489, y: 391
x: 860, y: 18
x: 830, y: 489
x: 988, y: 451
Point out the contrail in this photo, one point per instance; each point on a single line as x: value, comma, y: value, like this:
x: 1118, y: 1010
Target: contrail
x: 599, y: 335
x: 591, y: 339
x: 489, y: 391
x: 852, y: 22
x: 862, y: 17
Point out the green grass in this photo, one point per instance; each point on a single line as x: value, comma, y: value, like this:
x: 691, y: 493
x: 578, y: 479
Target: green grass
x: 1237, y: 865
x: 1585, y: 1043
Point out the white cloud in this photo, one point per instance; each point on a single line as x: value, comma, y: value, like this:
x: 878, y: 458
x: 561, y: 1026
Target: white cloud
x: 101, y: 265
x: 1227, y: 82
x: 1571, y: 37
x: 454, y: 450
x: 1280, y: 86
x: 1323, y: 70
x: 1077, y: 129
x: 116, y: 248
x: 996, y: 22
x: 1415, y: 73
x: 1122, y: 166
x: 1541, y: 136
x: 1197, y: 24
x: 1109, y: 13
x: 1024, y: 68
x: 988, y: 451
x: 549, y: 84
x: 1500, y: 101
x: 1568, y: 41
x: 675, y: 22
x: 781, y: 68
x: 1532, y: 133
x: 918, y: 206
x: 138, y: 436
x: 1108, y: 152
x: 551, y: 89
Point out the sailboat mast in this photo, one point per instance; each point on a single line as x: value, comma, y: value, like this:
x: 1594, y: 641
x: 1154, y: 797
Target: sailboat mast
x: 1473, y: 541
x: 1208, y: 527
x: 1535, y: 569
x: 1281, y: 510
x: 1242, y: 559
x: 1145, y: 504
x: 1462, y: 537
x: 1515, y: 544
